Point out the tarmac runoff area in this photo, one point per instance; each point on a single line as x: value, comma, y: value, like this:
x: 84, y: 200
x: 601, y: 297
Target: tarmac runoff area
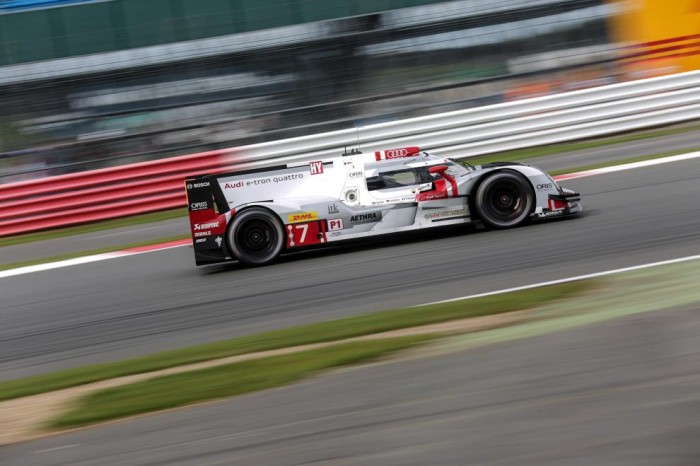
x: 662, y: 286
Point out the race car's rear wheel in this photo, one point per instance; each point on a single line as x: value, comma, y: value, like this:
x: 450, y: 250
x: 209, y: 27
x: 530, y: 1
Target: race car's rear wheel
x: 256, y: 236
x: 504, y: 200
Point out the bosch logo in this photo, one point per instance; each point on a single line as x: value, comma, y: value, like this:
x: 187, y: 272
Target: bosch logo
x: 545, y: 186
x: 205, y: 226
x: 396, y: 153
x: 203, y: 184
x: 189, y: 186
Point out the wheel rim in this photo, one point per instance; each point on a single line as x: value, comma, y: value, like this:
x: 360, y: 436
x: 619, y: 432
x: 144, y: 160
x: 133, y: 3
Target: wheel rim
x: 505, y: 201
x: 257, y: 237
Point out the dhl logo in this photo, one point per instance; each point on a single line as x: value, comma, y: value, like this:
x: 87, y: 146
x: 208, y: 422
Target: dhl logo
x: 302, y: 217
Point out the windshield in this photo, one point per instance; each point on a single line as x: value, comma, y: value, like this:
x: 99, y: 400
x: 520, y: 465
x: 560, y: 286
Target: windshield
x: 458, y: 168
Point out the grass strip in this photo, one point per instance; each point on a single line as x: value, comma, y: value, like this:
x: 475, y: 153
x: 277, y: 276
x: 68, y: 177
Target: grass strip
x: 73, y: 255
x: 349, y: 327
x: 97, y: 226
x: 225, y: 381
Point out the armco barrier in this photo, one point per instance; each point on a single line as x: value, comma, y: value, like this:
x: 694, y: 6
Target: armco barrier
x: 151, y: 186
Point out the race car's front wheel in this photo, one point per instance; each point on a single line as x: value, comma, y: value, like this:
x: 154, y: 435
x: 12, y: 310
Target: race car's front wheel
x: 504, y: 200
x: 256, y: 236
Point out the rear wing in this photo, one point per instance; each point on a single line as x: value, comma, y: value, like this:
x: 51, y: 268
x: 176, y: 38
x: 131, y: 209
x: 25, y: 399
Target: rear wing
x: 208, y: 218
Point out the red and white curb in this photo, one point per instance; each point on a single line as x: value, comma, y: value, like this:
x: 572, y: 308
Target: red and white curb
x: 185, y: 242
x: 94, y: 258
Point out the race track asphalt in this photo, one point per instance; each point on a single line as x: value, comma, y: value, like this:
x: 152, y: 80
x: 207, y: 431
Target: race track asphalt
x: 137, y: 305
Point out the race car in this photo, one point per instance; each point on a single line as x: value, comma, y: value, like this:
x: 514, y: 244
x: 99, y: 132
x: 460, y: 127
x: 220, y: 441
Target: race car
x: 253, y: 216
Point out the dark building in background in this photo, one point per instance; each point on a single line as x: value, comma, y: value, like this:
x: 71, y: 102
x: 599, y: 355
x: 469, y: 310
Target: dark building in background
x: 114, y: 81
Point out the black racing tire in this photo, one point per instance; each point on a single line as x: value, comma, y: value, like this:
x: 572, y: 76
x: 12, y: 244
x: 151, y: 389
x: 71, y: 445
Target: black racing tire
x: 256, y: 236
x: 504, y: 199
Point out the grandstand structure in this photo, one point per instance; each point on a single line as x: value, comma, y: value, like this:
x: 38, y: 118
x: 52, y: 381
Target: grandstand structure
x: 86, y: 83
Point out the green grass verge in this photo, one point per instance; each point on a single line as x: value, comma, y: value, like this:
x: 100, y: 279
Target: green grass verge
x: 73, y: 255
x: 225, y: 381
x: 97, y: 226
x: 333, y: 330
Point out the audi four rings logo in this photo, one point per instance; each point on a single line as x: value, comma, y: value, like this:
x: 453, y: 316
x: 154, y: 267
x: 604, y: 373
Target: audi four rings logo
x: 396, y: 153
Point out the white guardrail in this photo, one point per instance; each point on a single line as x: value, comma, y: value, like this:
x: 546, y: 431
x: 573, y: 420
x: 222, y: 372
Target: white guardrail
x: 513, y: 125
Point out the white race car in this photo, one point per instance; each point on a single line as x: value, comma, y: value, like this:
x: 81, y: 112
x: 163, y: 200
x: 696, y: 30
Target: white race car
x: 253, y: 216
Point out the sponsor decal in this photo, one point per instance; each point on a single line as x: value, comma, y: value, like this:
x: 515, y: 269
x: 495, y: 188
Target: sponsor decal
x: 199, y: 234
x: 396, y: 153
x: 335, y: 224
x: 316, y: 168
x: 202, y: 184
x: 333, y: 209
x: 355, y: 174
x: 302, y: 217
x: 218, y: 240
x: 206, y: 226
x: 445, y: 213
x: 432, y: 196
x: 545, y: 186
x: 400, y: 199
x: 201, y: 240
x: 264, y: 181
x: 366, y: 218
x: 306, y: 233
x: 199, y: 205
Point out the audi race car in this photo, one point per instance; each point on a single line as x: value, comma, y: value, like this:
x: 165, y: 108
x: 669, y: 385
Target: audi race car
x: 253, y: 216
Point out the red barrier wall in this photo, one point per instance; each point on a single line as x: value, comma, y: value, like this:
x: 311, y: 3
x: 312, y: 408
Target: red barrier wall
x: 103, y: 194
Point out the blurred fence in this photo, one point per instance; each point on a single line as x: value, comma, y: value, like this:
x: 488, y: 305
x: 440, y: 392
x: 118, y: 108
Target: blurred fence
x: 275, y: 80
x: 157, y: 185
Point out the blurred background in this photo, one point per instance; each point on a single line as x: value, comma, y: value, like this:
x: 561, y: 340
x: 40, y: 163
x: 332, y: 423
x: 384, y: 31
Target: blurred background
x: 87, y: 84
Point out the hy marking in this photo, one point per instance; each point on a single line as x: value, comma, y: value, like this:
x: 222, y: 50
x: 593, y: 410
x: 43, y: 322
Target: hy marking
x: 160, y: 247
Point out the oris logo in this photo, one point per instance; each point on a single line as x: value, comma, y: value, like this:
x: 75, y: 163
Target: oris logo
x: 205, y: 226
x: 544, y: 186
x: 396, y: 153
x: 198, y: 205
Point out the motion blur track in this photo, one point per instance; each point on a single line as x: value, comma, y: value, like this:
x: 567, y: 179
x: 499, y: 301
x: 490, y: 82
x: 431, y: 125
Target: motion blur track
x: 146, y: 303
x: 622, y: 392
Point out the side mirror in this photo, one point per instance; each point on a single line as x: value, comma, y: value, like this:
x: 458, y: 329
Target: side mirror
x: 437, y: 169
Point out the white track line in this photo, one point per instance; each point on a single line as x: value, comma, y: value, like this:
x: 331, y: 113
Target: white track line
x: 569, y: 279
x: 160, y: 247
x: 628, y: 166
